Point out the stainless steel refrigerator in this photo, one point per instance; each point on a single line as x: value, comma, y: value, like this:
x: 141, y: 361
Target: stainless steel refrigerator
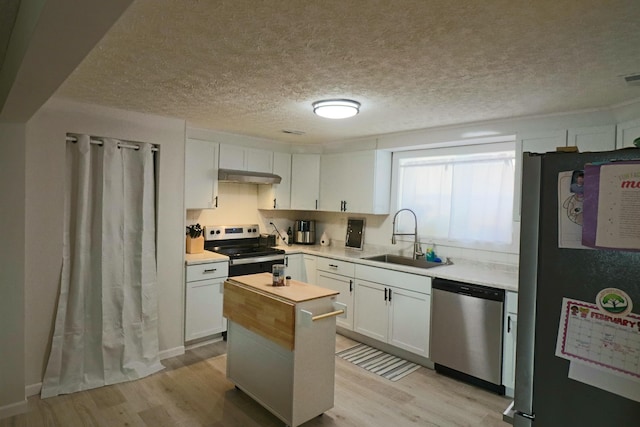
x: 545, y: 396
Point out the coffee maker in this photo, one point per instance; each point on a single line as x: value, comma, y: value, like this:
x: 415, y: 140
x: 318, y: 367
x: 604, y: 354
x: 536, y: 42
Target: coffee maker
x: 304, y: 232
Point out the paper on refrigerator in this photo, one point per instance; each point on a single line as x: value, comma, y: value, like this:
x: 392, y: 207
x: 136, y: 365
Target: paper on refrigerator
x: 570, y: 215
x: 612, y: 206
x: 590, y: 336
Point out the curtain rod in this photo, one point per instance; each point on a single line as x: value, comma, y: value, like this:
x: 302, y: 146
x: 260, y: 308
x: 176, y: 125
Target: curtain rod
x: 98, y: 140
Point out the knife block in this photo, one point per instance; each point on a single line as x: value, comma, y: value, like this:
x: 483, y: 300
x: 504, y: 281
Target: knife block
x: 195, y: 245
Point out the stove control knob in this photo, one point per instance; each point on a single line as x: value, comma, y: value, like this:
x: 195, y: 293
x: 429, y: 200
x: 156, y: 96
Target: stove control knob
x: 217, y: 231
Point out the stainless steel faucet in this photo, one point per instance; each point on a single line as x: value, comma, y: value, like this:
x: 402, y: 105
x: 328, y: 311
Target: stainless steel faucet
x: 417, y: 250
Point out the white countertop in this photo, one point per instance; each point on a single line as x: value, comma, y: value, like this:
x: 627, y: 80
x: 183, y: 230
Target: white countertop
x: 494, y: 275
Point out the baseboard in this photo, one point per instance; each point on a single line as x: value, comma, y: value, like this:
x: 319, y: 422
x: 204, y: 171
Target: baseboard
x: 32, y: 389
x: 192, y: 345
x: 13, y: 409
x: 172, y: 352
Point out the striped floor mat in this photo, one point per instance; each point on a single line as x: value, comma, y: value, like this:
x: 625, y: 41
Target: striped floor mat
x: 386, y: 365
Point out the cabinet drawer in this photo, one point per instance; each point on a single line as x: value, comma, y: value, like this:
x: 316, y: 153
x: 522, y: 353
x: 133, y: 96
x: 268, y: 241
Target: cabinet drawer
x: 411, y: 282
x: 331, y: 265
x: 209, y: 270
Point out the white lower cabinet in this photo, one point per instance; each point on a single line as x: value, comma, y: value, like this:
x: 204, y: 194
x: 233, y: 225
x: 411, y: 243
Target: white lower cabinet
x: 339, y: 276
x: 393, y: 307
x: 203, y: 302
x: 509, y: 346
x: 310, y: 263
x: 294, y: 267
x: 344, y: 285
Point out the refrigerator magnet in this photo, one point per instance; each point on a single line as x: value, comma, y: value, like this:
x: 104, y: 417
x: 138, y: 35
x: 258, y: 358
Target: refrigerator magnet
x: 615, y: 302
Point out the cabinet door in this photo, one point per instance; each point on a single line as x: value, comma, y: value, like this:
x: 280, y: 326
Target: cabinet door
x: 305, y: 181
x: 259, y: 160
x: 509, y: 348
x: 277, y: 196
x: 627, y: 133
x: 344, y: 285
x: 594, y: 138
x: 201, y: 174
x: 294, y: 267
x: 233, y: 157
x: 203, y: 309
x: 333, y: 181
x: 359, y: 194
x: 409, y: 320
x: 357, y: 182
x: 310, y: 267
x: 371, y: 311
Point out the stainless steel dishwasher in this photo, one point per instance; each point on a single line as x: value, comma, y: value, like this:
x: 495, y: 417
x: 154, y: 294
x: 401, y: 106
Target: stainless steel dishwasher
x: 466, y: 332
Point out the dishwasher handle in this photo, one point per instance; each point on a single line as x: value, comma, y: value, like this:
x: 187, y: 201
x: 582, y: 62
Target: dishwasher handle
x: 467, y: 289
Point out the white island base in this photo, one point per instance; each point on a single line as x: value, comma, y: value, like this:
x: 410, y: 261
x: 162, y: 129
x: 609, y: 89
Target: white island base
x: 292, y: 378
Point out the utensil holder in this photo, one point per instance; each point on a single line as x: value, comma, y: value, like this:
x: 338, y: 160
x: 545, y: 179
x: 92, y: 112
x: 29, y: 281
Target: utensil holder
x: 195, y: 245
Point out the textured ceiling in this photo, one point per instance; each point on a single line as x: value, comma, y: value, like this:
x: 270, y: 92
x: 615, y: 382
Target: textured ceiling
x: 255, y: 66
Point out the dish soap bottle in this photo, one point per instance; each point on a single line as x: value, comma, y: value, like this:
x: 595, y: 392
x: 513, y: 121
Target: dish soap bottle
x: 430, y: 255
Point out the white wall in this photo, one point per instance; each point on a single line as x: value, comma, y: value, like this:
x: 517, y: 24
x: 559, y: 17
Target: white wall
x: 237, y: 204
x: 45, y: 158
x: 12, y: 269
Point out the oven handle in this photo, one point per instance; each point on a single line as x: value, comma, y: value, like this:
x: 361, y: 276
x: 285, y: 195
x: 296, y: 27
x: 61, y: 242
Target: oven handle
x: 240, y: 261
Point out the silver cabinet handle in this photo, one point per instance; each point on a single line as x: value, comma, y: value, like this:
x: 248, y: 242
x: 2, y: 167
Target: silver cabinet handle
x: 210, y: 270
x: 333, y: 266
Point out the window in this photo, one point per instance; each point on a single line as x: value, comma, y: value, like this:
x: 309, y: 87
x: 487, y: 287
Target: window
x: 460, y: 194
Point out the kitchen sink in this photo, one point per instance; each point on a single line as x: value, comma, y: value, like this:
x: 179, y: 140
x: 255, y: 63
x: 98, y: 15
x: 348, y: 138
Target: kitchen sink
x: 402, y: 260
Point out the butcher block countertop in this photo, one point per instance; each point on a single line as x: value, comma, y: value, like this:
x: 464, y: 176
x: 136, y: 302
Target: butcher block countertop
x: 295, y: 293
x: 267, y: 310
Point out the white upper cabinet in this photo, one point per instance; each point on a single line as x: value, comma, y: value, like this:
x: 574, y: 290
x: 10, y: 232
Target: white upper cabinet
x: 533, y: 142
x: 277, y: 196
x: 244, y: 158
x: 627, y: 132
x: 201, y: 174
x: 305, y: 181
x: 357, y: 182
x: 593, y: 138
x: 541, y: 142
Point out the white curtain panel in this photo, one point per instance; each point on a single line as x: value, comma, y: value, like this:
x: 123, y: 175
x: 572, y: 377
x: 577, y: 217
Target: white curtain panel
x: 106, y: 328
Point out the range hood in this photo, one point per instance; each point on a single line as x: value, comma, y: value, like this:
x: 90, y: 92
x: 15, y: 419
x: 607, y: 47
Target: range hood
x: 247, y: 177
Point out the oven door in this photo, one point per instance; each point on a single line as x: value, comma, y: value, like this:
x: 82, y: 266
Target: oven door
x: 242, y: 266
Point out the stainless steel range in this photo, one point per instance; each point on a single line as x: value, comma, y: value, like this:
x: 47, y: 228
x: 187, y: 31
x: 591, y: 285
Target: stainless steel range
x: 247, y: 252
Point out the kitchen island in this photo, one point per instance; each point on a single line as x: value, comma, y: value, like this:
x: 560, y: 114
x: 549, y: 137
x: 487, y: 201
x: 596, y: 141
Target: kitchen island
x: 281, y: 344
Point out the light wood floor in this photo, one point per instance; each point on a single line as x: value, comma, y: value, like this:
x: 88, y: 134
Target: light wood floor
x: 193, y: 391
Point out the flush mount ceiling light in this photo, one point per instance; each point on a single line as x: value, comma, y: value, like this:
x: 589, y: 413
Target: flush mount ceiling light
x: 336, y: 108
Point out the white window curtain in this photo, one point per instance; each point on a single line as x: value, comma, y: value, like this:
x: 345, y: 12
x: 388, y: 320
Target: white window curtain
x: 106, y: 327
x: 461, y: 198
